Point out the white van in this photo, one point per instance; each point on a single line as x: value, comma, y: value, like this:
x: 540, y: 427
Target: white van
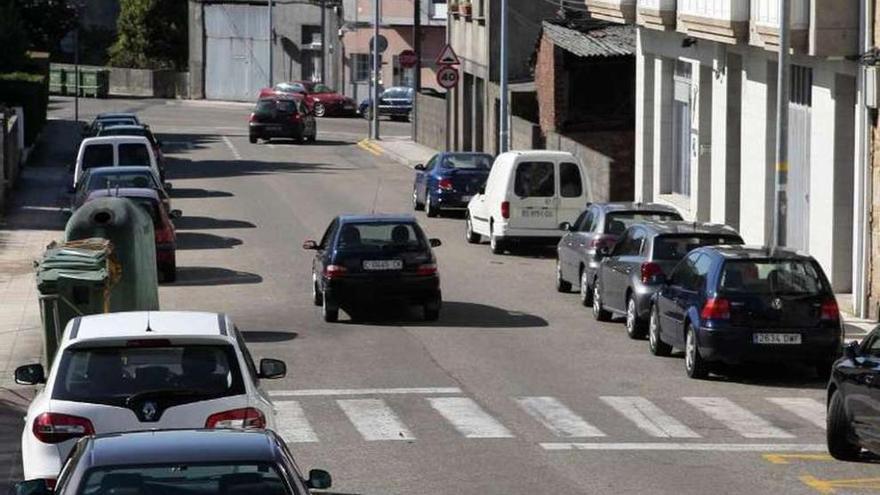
x: 113, y: 151
x: 528, y: 194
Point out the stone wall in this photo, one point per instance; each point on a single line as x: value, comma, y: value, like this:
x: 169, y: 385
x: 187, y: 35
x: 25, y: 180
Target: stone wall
x: 608, y: 157
x: 142, y: 82
x: 431, y: 128
x: 524, y: 135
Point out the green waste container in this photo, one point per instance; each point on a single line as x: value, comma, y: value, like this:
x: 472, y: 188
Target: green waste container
x: 57, y: 80
x: 94, y: 82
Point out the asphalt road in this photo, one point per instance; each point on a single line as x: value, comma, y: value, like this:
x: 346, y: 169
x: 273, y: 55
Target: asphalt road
x: 515, y: 390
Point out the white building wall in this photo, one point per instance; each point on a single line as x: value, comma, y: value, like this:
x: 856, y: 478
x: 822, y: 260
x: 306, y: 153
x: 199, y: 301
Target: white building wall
x: 758, y: 124
x: 822, y: 168
x: 644, y: 159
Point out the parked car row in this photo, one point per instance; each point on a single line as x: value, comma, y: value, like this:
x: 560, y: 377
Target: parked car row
x: 322, y: 101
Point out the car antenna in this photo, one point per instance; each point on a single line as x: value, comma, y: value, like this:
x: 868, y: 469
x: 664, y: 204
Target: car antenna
x: 148, y: 323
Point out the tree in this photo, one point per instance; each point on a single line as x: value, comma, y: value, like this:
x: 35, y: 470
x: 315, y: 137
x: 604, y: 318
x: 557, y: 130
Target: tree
x: 47, y: 21
x: 152, y: 34
x: 13, y: 38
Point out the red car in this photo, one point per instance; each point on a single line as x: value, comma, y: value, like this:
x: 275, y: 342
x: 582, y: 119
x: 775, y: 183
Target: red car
x: 318, y: 98
x: 166, y: 235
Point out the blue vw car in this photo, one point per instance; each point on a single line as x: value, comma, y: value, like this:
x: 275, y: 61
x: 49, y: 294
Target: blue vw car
x: 449, y: 181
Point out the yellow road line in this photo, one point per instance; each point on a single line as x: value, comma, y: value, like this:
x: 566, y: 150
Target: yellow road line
x: 370, y: 146
x: 787, y: 458
x: 829, y: 486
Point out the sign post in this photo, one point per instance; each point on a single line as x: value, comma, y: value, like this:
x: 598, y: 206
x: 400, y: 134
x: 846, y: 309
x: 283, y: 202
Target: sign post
x: 447, y: 61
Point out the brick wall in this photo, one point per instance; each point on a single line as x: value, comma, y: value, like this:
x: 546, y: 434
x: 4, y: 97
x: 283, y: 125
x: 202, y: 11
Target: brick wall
x: 546, y: 78
x: 431, y: 128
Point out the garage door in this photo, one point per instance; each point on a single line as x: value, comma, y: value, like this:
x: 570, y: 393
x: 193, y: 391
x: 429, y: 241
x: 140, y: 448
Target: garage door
x: 236, y: 51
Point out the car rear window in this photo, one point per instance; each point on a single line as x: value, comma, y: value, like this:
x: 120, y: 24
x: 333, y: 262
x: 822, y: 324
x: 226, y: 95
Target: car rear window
x: 134, y: 154
x: 265, y: 107
x: 783, y: 277
x: 676, y: 247
x: 286, y: 106
x: 380, y: 237
x: 230, y: 478
x: 618, y: 221
x: 469, y: 162
x: 535, y: 180
x: 107, y: 181
x: 110, y: 375
x: 97, y: 155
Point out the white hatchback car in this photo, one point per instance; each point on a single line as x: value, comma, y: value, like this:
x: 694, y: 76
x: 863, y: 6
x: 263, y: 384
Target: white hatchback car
x: 134, y: 371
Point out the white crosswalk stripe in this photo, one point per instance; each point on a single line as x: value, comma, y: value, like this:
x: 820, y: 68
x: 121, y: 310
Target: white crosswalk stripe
x: 557, y: 417
x: 469, y: 418
x: 374, y: 419
x: 811, y: 410
x: 649, y: 418
x: 292, y: 423
x: 736, y: 418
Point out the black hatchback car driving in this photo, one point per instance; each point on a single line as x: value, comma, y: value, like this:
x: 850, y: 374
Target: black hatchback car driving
x: 738, y: 304
x: 854, y: 400
x: 282, y: 116
x: 369, y: 259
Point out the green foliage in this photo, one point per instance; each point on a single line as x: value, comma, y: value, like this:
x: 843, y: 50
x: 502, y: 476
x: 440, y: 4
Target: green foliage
x: 47, y: 21
x: 13, y: 37
x: 152, y: 34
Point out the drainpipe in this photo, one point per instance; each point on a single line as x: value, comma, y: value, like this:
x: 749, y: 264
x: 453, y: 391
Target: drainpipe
x: 862, y: 234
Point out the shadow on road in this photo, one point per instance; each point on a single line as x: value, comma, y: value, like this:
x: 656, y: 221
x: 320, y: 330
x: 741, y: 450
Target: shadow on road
x: 268, y: 337
x: 198, y: 240
x: 453, y: 314
x: 780, y: 375
x: 189, y: 169
x: 192, y: 193
x: 318, y: 142
x: 176, y: 144
x: 205, y: 275
x: 208, y: 223
x: 13, y: 405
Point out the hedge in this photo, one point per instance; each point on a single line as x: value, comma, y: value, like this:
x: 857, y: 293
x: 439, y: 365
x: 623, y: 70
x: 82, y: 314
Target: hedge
x: 31, y: 92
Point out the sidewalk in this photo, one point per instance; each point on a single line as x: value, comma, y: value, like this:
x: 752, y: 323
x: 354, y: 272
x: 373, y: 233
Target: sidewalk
x: 402, y: 150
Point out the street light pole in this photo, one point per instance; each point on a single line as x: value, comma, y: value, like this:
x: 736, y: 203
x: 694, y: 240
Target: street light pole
x: 504, y: 129
x: 271, y: 42
x: 323, y: 42
x: 417, y: 79
x: 783, y: 84
x: 374, y: 128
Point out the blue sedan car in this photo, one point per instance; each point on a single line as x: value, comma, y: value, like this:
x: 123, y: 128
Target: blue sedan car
x: 449, y: 181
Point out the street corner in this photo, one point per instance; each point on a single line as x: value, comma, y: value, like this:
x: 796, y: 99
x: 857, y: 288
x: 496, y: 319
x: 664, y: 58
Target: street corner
x: 821, y: 473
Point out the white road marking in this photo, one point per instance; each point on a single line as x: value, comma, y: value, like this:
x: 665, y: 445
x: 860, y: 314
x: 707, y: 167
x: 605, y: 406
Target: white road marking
x: 700, y: 447
x: 335, y: 392
x: 231, y: 146
x: 736, y: 418
x: 292, y: 423
x: 469, y: 418
x: 558, y: 418
x: 811, y: 410
x: 374, y: 419
x: 649, y: 418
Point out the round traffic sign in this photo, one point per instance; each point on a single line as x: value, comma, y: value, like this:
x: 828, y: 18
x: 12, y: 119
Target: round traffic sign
x: 447, y: 77
x: 383, y: 43
x: 407, y: 59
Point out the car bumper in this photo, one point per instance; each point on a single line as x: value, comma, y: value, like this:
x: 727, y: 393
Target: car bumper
x: 519, y: 234
x: 42, y: 460
x: 409, y: 290
x: 447, y: 199
x: 395, y: 111
x: 275, y: 130
x: 735, y: 346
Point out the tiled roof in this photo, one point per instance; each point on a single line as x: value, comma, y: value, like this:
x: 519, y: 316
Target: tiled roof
x: 593, y: 38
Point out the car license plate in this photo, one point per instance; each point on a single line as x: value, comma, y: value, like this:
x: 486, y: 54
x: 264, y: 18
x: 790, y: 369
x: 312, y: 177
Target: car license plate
x: 537, y: 213
x: 273, y: 128
x: 379, y: 265
x: 777, y: 338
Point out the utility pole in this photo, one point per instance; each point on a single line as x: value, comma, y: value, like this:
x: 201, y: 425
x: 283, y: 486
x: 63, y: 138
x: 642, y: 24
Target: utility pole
x: 783, y: 85
x: 271, y: 42
x: 417, y: 47
x: 504, y: 125
x: 374, y: 128
x: 323, y: 42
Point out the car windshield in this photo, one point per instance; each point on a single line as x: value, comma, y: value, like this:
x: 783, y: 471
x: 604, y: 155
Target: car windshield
x: 782, y: 277
x: 230, y: 478
x: 618, y: 221
x: 392, y: 236
x: 464, y: 161
x: 121, y: 180
x: 105, y: 123
x: 403, y: 93
x: 110, y: 375
x: 675, y: 247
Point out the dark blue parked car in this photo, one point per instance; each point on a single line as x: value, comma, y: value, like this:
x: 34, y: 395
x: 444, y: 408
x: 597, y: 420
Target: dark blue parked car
x: 737, y: 304
x: 449, y: 180
x: 395, y: 102
x: 368, y: 259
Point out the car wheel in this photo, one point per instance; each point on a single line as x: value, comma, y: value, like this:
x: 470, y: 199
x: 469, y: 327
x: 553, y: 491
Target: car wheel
x: 319, y: 109
x: 635, y: 326
x: 655, y: 343
x: 471, y: 236
x: 330, y: 310
x: 561, y: 284
x: 496, y: 245
x: 694, y: 364
x: 838, y: 431
x: 415, y: 201
x: 599, y: 311
x: 585, y: 290
x: 430, y: 208
x: 252, y: 139
x: 432, y: 311
x: 317, y: 296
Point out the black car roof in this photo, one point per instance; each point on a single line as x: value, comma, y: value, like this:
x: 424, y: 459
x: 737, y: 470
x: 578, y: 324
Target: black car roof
x: 181, y: 446
x: 377, y: 218
x: 629, y: 206
x: 681, y: 227
x: 757, y: 252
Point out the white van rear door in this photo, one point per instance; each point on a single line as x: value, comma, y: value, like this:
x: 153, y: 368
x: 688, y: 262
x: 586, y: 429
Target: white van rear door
x: 533, y: 202
x: 573, y: 195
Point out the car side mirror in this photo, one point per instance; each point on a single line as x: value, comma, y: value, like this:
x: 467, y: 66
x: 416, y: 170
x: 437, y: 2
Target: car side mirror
x: 30, y: 487
x: 565, y: 227
x: 310, y: 245
x: 851, y: 351
x: 435, y: 242
x: 168, y: 186
x: 420, y: 167
x: 319, y: 479
x: 271, y: 369
x: 30, y: 374
x: 175, y: 214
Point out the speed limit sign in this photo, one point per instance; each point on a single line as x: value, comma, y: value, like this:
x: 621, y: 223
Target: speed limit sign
x: 447, y: 77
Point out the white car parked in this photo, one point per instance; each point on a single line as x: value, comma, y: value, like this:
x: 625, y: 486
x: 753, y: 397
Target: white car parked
x: 113, y: 151
x: 527, y: 196
x: 135, y: 371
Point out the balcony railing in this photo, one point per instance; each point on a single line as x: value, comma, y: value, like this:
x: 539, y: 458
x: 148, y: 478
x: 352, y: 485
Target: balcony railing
x: 623, y: 11
x: 726, y: 21
x: 765, y: 24
x: 656, y: 14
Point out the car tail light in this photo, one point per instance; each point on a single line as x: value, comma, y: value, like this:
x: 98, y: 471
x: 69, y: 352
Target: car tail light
x: 247, y: 417
x: 335, y: 271
x: 165, y: 235
x: 57, y: 428
x: 830, y: 311
x: 296, y: 117
x: 649, y: 271
x: 505, y: 209
x: 427, y: 269
x: 716, y: 309
x: 252, y: 117
x: 445, y: 184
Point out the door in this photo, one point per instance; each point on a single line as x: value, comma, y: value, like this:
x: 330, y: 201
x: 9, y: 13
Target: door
x: 798, y: 187
x: 533, y: 202
x: 861, y: 388
x: 568, y: 247
x: 424, y: 178
x: 625, y: 261
x: 674, y: 298
x: 318, y: 263
x: 572, y: 192
x: 236, y: 51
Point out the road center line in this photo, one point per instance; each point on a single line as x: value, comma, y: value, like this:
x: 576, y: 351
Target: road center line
x: 697, y: 447
x: 335, y: 392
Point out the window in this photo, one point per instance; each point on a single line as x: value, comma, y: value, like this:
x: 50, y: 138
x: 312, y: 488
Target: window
x: 633, y: 244
x: 777, y: 277
x: 97, y: 155
x: 122, y: 180
x: 623, y: 220
x: 680, y: 179
x: 685, y: 274
x: 134, y: 154
x: 431, y: 164
x: 584, y: 223
x: 246, y: 353
x: 438, y: 9
x: 535, y: 180
x: 228, y: 478
x: 360, y: 67
x: 403, y: 76
x: 468, y: 161
x: 328, y: 234
x: 311, y: 35
x: 383, y: 237
x: 570, y: 183
x: 675, y: 247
